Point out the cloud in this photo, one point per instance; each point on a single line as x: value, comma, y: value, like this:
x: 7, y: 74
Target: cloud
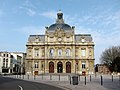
x: 28, y: 11
x: 29, y: 4
x: 104, y: 28
x: 31, y: 12
x: 49, y: 14
x: 28, y: 7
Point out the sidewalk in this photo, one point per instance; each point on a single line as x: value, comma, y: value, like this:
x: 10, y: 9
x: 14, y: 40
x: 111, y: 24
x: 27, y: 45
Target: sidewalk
x: 64, y: 82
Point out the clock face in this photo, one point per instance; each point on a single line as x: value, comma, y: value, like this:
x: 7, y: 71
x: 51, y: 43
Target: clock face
x: 59, y: 39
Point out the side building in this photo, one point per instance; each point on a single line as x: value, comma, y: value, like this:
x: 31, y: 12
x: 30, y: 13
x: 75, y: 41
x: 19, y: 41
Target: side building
x: 12, y: 62
x: 60, y: 50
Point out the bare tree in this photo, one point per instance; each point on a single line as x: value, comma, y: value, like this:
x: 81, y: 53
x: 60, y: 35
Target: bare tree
x: 110, y: 57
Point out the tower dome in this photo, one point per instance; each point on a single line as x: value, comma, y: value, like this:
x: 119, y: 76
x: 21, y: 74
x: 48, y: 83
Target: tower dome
x: 59, y: 23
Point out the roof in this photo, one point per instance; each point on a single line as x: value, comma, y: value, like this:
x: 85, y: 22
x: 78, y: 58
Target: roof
x: 87, y: 37
x: 36, y: 38
x: 63, y: 26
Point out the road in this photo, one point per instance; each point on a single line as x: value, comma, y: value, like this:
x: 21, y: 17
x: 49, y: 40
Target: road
x: 16, y: 84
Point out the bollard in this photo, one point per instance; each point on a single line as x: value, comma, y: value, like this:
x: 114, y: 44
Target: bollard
x: 28, y: 76
x: 90, y: 78
x: 23, y: 76
x: 50, y: 77
x: 85, y: 80
x: 70, y: 79
x: 17, y: 76
x: 34, y: 77
x: 112, y: 78
x: 59, y: 77
x: 42, y: 76
x: 119, y: 77
x: 79, y: 77
x: 101, y: 80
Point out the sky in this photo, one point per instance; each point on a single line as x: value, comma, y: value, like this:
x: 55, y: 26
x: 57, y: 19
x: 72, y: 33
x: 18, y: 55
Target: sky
x: 21, y: 18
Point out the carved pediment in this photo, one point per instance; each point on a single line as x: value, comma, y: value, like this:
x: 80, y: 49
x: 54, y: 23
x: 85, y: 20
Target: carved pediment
x: 51, y: 35
x: 59, y: 33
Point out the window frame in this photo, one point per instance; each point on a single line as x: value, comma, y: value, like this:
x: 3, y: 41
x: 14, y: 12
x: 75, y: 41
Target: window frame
x: 59, y: 52
x: 51, y: 52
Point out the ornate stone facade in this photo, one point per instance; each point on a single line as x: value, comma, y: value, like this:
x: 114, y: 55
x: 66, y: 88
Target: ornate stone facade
x: 60, y: 50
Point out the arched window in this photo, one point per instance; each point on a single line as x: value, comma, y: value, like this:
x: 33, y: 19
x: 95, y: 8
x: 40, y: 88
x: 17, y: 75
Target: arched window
x: 59, y: 52
x: 51, y: 52
x: 67, y: 52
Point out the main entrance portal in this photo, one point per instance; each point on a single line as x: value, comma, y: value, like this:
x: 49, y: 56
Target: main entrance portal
x: 68, y: 67
x: 59, y: 67
x: 51, y: 67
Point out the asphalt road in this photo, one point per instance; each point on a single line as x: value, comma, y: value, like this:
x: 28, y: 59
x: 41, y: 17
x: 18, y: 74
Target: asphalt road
x: 16, y: 84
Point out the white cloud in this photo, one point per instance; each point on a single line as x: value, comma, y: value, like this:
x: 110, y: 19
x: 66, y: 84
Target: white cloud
x: 105, y: 30
x: 28, y: 11
x: 49, y: 14
x: 28, y: 7
x: 31, y: 12
x: 29, y: 4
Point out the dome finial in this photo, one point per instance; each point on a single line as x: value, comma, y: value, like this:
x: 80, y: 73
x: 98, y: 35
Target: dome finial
x: 60, y: 17
x: 59, y: 11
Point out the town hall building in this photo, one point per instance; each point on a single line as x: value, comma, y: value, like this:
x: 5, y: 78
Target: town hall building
x: 60, y: 50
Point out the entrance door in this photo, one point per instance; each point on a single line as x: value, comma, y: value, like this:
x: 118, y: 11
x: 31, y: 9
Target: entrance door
x: 59, y: 67
x: 35, y: 72
x: 68, y: 67
x: 51, y: 67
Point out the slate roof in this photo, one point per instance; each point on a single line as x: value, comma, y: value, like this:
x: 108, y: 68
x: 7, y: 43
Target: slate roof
x: 32, y: 38
x: 87, y: 37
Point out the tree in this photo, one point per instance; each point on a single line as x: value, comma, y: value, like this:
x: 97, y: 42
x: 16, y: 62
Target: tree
x: 111, y: 58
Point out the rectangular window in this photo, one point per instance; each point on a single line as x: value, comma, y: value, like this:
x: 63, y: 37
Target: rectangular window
x: 36, y: 53
x: 6, y: 60
x: 83, y: 52
x: 83, y: 66
x: 3, y: 64
x: 43, y: 53
x: 6, y: 64
x: 29, y: 52
x: 36, y: 65
x: 3, y: 59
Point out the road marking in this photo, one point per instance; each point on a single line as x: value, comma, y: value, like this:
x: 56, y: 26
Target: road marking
x: 21, y: 88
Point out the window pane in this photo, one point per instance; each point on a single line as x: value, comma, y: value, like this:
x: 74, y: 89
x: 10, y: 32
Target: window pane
x: 83, y: 65
x: 36, y: 53
x: 36, y: 65
x: 83, y: 52
x: 51, y: 53
x: 67, y: 52
x: 60, y: 52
